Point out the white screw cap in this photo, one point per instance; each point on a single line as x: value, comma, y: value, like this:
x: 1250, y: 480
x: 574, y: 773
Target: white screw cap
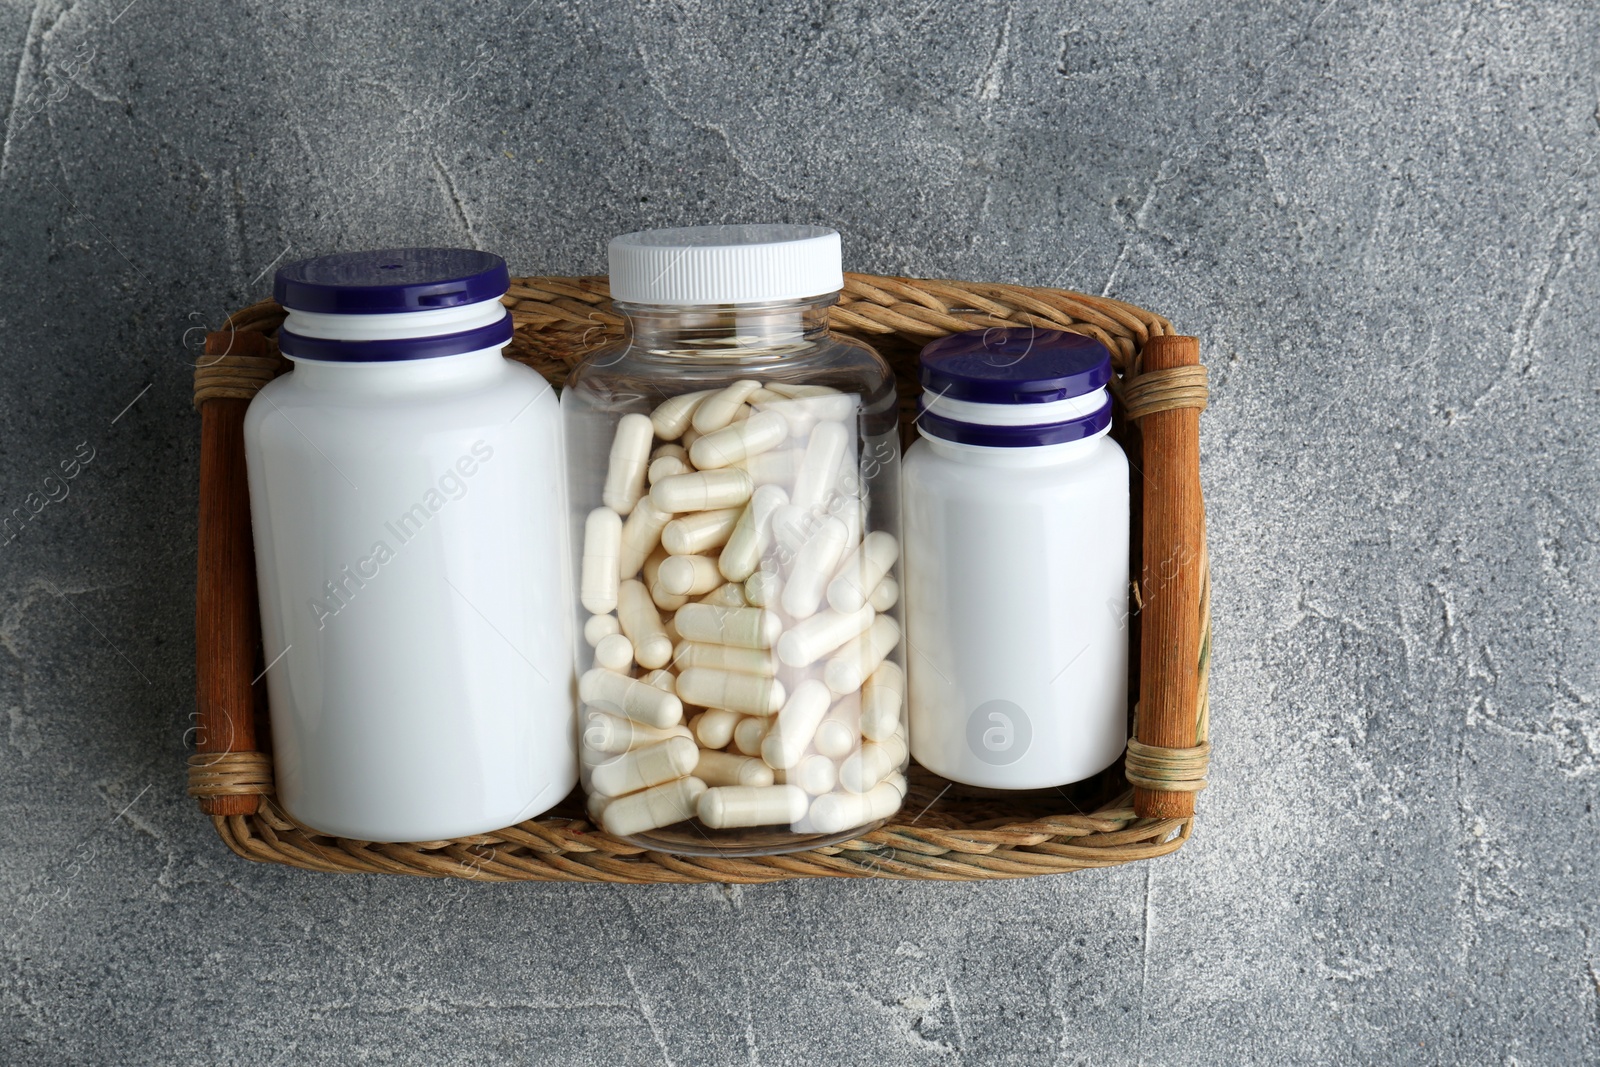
x: 725, y: 264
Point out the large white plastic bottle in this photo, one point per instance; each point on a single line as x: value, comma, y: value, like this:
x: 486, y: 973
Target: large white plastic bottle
x: 1016, y: 562
x: 406, y: 486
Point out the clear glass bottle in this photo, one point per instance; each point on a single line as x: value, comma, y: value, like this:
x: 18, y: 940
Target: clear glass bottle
x: 734, y: 479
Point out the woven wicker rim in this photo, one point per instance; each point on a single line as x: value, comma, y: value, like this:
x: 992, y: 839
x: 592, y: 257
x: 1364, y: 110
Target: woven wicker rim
x: 974, y: 838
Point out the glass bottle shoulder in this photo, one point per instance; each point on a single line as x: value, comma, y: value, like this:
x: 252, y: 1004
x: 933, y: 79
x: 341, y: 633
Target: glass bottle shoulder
x: 625, y: 373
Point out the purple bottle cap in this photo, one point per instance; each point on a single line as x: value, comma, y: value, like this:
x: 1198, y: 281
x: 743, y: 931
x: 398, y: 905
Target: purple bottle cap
x: 1015, y: 365
x: 394, y: 281
x: 391, y: 280
x: 978, y: 386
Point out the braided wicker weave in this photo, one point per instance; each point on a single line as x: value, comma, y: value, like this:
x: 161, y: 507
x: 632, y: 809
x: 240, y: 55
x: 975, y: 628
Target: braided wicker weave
x: 943, y: 832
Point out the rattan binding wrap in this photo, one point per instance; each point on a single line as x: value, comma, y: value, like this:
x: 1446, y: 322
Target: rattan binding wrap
x: 942, y: 832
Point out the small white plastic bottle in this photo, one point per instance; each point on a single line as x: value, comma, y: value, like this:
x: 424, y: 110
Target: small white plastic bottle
x: 1016, y: 562
x: 408, y: 505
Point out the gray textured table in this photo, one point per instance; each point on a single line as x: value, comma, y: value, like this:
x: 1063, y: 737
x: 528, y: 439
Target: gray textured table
x: 1383, y: 225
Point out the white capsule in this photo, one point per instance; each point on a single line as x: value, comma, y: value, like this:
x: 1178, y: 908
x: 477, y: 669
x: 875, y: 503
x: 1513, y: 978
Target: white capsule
x: 641, y: 768
x: 885, y: 595
x: 640, y: 536
x: 671, y: 417
x: 600, y: 626
x: 797, y: 390
x: 744, y: 627
x: 605, y: 735
x: 651, y: 576
x: 796, y: 724
x: 834, y: 407
x: 777, y: 467
x: 724, y: 658
x: 665, y: 467
x: 642, y: 625
x: 591, y: 757
x: 700, y: 531
x: 859, y: 657
x: 595, y: 806
x: 748, y: 734
x: 849, y: 483
x: 630, y: 453
x: 815, y: 774
x: 763, y: 589
x: 620, y: 695
x: 813, y: 566
x: 690, y: 436
x: 819, y: 468
x: 718, y: 409
x: 726, y: 768
x: 803, y: 414
x: 652, y: 808
x: 669, y: 449
x: 838, y: 812
x: 798, y: 419
x: 759, y: 433
x: 726, y: 595
x: 872, y: 763
x: 811, y: 639
x: 881, y: 698
x: 722, y: 807
x: 751, y: 534
x: 614, y: 653
x: 602, y: 547
x: 753, y: 694
x: 702, y: 491
x: 764, y: 396
x: 862, y: 570
x: 850, y: 511
x: 662, y: 680
x: 792, y: 527
x: 714, y: 728
x: 689, y: 575
x: 839, y: 733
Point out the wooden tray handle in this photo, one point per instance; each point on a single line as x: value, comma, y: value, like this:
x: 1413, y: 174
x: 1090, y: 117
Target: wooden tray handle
x: 1167, y: 758
x: 225, y: 772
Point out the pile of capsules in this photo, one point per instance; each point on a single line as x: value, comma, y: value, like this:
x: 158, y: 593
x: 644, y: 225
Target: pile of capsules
x: 727, y: 571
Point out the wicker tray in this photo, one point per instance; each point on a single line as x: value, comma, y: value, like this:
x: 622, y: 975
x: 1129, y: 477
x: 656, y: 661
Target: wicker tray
x: 942, y: 832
